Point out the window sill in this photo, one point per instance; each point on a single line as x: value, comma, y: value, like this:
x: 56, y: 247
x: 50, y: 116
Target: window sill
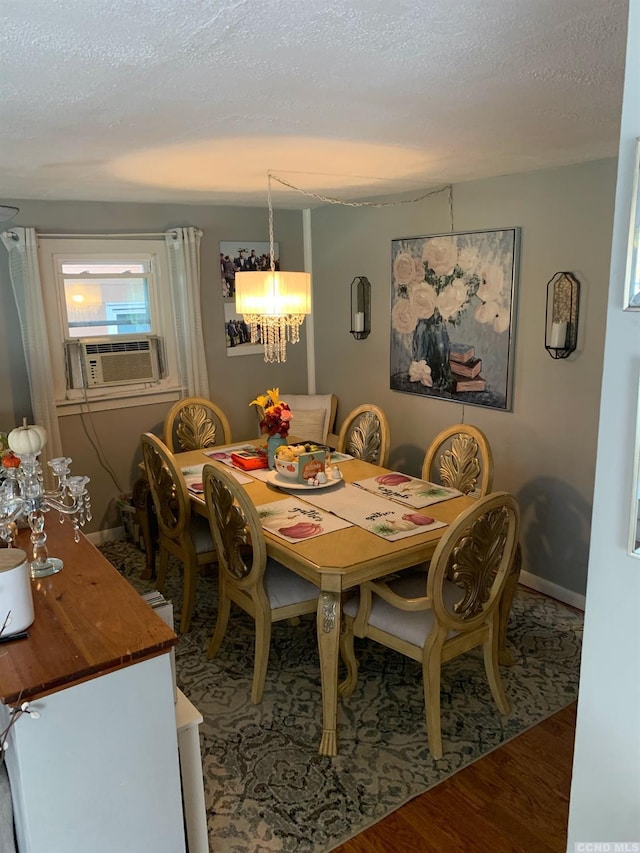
x: 132, y: 397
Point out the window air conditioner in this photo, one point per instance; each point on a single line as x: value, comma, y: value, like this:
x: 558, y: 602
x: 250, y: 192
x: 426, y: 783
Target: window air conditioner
x: 119, y: 360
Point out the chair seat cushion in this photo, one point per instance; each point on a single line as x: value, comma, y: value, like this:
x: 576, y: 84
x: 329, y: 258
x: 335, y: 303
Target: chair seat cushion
x: 284, y: 587
x: 411, y: 627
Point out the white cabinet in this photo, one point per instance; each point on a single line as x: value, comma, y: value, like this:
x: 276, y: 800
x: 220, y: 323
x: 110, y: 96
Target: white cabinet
x: 98, y: 771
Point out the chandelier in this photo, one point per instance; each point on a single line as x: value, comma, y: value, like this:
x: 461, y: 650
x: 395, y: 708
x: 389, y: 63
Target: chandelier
x: 23, y: 497
x: 273, y: 303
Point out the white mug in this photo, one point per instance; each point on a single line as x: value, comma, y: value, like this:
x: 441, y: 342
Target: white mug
x: 16, y: 600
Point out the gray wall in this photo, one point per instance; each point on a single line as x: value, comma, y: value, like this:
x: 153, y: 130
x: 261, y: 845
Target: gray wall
x: 545, y: 448
x: 605, y: 791
x: 233, y: 382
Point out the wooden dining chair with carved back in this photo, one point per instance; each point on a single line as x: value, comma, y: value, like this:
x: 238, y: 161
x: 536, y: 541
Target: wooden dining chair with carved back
x: 181, y: 532
x: 195, y: 423
x: 435, y: 617
x: 365, y: 434
x: 259, y: 585
x: 460, y: 457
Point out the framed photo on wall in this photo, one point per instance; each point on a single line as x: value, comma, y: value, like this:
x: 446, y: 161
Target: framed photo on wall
x: 241, y: 256
x: 452, y: 316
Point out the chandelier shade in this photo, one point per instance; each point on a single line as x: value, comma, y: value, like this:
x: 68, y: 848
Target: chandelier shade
x: 273, y: 293
x: 274, y: 304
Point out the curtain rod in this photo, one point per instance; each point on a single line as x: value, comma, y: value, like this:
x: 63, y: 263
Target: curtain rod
x: 105, y: 236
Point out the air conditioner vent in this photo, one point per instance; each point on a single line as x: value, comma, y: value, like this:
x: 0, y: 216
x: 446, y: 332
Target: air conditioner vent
x: 118, y: 346
x: 115, y: 362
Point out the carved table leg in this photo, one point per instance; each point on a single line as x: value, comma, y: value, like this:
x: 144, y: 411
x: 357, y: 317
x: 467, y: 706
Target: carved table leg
x: 328, y: 626
x: 505, y: 656
x: 143, y: 504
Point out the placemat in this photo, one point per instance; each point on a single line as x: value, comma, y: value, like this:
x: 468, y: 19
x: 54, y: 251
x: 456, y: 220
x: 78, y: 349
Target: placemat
x: 371, y: 512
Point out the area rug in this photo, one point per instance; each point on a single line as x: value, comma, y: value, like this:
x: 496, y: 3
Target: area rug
x: 266, y: 787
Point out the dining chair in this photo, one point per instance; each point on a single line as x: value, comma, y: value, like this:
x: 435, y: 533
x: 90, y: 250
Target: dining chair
x: 195, y: 423
x: 454, y: 608
x: 259, y: 585
x: 365, y: 434
x: 460, y: 457
x: 181, y: 533
x: 314, y: 415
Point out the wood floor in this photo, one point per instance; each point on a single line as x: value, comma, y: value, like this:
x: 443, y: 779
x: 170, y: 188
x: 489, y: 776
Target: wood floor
x: 514, y: 800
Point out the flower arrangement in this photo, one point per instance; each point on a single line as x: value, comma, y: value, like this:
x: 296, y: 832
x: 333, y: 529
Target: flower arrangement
x: 275, y: 414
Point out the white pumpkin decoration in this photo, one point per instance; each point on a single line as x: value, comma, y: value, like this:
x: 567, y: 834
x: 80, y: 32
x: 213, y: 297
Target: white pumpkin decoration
x: 27, y: 439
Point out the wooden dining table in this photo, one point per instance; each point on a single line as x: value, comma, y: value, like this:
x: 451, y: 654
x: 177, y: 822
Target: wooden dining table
x: 339, y: 561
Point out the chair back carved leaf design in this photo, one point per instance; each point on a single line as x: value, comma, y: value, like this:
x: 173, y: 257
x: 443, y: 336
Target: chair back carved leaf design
x: 460, y: 457
x: 365, y: 434
x: 235, y: 527
x: 194, y: 424
x: 182, y: 533
x: 168, y: 490
x: 476, y: 566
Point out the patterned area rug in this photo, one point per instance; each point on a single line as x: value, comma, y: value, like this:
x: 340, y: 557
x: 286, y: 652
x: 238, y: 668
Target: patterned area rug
x: 266, y: 787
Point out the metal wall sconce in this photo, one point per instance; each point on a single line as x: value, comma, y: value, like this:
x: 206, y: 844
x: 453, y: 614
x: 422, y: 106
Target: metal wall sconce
x: 561, y: 322
x: 360, y: 307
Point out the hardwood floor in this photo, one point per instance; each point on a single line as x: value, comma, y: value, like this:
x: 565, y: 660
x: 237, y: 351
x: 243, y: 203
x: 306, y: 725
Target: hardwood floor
x: 514, y: 800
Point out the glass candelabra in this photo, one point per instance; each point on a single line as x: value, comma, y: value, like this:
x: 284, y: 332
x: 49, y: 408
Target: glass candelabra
x: 22, y: 495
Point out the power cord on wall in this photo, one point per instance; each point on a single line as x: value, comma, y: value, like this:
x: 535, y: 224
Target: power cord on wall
x: 94, y: 441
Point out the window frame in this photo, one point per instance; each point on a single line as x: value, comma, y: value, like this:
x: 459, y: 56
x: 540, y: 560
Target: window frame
x: 55, y: 251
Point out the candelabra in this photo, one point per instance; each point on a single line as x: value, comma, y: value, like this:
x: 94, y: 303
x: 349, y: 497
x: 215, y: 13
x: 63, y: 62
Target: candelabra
x: 22, y: 495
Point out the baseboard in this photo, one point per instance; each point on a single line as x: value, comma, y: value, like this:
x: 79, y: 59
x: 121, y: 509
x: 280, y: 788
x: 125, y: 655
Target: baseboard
x: 546, y: 587
x: 109, y: 535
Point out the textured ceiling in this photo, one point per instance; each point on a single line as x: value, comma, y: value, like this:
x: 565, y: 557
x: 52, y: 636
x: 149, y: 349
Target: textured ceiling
x: 155, y: 100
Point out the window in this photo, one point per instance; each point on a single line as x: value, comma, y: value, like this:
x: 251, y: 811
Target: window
x: 97, y: 292
x: 108, y: 310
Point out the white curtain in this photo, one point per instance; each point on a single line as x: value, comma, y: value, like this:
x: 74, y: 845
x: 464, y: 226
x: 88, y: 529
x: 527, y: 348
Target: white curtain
x: 183, y: 249
x: 22, y: 246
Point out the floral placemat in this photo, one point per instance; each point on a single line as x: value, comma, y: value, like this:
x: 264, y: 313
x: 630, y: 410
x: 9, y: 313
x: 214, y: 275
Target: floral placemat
x: 373, y: 513
x: 224, y: 454
x: 408, y: 490
x: 295, y: 520
x: 193, y: 478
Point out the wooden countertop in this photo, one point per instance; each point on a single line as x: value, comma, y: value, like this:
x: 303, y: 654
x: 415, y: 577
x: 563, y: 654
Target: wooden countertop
x: 88, y: 621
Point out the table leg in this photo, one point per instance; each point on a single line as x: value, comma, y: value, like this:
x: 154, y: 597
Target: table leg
x: 143, y: 504
x: 505, y: 655
x: 328, y: 627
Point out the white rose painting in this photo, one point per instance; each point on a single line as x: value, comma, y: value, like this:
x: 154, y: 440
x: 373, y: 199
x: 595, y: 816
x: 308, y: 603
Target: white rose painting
x: 452, y: 316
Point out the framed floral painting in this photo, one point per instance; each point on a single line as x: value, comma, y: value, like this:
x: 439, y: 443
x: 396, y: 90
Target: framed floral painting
x: 453, y: 315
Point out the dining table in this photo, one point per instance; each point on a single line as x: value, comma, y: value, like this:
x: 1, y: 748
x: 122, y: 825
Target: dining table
x: 338, y: 561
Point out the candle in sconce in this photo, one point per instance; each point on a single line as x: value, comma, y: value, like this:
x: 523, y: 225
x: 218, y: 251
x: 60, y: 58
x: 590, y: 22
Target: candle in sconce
x: 558, y: 335
x: 358, y: 322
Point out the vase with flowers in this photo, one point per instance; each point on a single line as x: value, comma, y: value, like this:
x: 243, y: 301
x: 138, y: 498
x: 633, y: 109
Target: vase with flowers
x: 275, y: 416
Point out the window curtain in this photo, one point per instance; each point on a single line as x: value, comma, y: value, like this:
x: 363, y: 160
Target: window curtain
x: 24, y: 270
x: 183, y: 250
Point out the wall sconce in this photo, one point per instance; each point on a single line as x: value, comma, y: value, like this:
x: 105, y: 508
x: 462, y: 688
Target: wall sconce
x: 561, y: 321
x: 360, y: 307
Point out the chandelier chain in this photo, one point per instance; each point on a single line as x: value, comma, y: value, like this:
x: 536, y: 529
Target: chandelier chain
x: 330, y: 200
x: 272, y: 260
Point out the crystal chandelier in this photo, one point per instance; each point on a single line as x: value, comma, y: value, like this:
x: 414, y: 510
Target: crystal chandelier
x: 22, y: 495
x: 273, y: 303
